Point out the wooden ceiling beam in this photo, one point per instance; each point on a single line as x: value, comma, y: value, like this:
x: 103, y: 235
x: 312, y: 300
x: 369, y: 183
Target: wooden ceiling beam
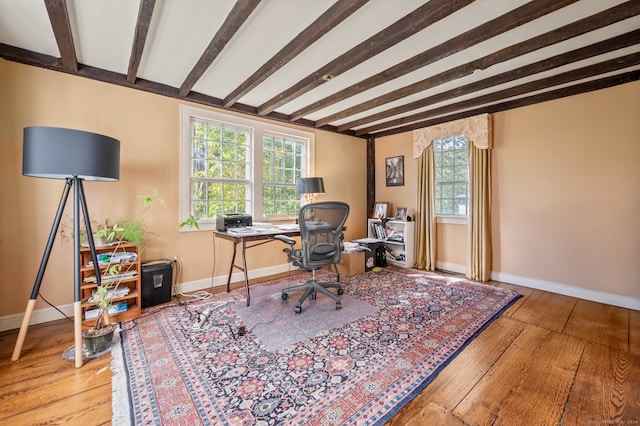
x: 238, y: 15
x: 333, y: 16
x: 59, y: 17
x: 510, y: 20
x: 590, y: 71
x: 564, y: 92
x: 422, y: 17
x: 140, y: 38
x: 583, y: 26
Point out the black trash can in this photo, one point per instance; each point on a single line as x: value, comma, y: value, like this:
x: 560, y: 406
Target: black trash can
x: 157, y: 280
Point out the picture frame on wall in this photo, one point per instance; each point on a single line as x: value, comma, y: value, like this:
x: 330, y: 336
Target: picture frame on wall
x: 380, y: 210
x: 394, y: 167
x: 401, y: 213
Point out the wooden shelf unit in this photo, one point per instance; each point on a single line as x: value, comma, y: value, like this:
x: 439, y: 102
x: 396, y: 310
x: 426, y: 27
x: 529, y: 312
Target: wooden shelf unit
x: 399, y: 253
x: 133, y: 298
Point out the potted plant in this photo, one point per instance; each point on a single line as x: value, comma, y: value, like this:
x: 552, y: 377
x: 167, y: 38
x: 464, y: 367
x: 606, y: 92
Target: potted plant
x: 98, y: 338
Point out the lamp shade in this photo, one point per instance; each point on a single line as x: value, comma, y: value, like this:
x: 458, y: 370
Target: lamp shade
x: 311, y: 185
x: 56, y: 153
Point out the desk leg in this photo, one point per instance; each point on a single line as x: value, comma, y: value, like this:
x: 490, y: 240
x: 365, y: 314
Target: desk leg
x: 244, y: 268
x: 233, y: 263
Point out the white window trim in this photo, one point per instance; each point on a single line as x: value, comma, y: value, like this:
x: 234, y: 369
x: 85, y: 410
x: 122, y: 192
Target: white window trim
x: 258, y: 128
x: 452, y: 219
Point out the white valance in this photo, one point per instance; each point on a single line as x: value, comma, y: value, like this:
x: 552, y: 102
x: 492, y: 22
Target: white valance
x: 476, y: 129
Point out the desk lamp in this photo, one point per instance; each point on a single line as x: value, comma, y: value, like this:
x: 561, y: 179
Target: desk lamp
x: 73, y: 155
x: 309, y: 185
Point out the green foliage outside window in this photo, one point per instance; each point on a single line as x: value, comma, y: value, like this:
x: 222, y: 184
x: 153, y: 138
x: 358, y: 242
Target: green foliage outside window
x: 452, y: 176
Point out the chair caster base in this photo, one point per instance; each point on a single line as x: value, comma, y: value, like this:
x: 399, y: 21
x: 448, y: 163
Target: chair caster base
x: 338, y: 306
x: 298, y: 309
x: 285, y: 296
x: 340, y: 292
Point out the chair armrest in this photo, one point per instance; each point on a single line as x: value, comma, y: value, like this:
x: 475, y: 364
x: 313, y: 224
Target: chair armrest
x: 285, y: 239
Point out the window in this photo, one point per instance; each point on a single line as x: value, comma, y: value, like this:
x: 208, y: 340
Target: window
x: 231, y: 164
x: 452, y: 176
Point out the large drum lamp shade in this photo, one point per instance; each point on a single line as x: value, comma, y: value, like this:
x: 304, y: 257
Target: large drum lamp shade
x: 57, y: 153
x: 310, y: 185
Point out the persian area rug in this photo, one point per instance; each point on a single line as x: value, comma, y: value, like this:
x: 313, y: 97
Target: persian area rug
x: 359, y: 373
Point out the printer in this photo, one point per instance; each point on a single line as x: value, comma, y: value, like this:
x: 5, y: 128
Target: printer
x: 236, y: 220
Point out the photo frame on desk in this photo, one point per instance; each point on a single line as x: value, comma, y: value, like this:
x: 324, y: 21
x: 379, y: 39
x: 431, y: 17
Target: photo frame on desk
x: 401, y: 213
x: 394, y: 170
x: 380, y: 210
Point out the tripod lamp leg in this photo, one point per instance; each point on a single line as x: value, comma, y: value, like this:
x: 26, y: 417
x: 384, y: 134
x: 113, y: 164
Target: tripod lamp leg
x: 77, y: 322
x: 23, y: 330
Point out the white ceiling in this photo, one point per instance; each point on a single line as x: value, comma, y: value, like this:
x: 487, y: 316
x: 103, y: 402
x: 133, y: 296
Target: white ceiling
x: 104, y: 32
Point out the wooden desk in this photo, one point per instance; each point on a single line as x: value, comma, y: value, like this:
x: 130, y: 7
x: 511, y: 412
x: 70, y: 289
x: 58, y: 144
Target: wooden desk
x: 254, y: 240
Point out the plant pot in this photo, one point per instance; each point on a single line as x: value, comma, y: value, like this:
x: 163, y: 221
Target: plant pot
x: 96, y: 341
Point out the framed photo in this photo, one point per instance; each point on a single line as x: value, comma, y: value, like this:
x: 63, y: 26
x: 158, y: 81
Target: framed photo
x: 401, y: 213
x: 380, y: 211
x: 395, y: 170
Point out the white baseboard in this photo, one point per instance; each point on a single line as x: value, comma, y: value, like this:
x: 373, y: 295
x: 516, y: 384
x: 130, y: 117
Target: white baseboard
x: 11, y: 322
x: 451, y: 267
x: 38, y: 316
x: 568, y: 290
x: 221, y: 280
x: 552, y: 287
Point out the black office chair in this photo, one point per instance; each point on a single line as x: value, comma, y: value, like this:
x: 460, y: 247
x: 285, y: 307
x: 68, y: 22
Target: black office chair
x: 321, y: 237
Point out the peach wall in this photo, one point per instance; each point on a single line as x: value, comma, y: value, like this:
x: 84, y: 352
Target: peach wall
x: 147, y: 126
x: 397, y: 196
x: 566, y: 190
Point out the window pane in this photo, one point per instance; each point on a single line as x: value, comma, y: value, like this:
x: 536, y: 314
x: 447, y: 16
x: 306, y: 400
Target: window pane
x: 447, y: 206
x: 221, y: 167
x: 452, y: 176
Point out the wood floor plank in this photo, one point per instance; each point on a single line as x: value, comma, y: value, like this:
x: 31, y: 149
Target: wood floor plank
x: 462, y: 374
x: 634, y: 332
x: 604, y: 324
x: 516, y: 372
x: 92, y: 407
x: 529, y: 384
x: 546, y: 310
x: 431, y: 414
x: 606, y: 389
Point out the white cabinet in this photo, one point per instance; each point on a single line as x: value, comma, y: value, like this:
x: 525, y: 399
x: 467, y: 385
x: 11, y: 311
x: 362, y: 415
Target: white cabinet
x: 397, y: 237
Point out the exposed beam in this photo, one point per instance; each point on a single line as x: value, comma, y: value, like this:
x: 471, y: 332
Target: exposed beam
x: 590, y: 71
x: 41, y: 60
x: 583, y: 26
x: 586, y: 52
x: 59, y: 17
x: 422, y: 17
x: 490, y: 29
x: 140, y: 38
x: 577, y: 89
x: 240, y: 12
x: 337, y: 13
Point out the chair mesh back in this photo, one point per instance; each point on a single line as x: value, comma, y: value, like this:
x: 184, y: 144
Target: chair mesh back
x: 321, y: 232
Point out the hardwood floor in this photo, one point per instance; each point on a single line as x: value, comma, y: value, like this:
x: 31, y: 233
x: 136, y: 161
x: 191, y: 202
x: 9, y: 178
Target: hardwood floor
x: 548, y: 360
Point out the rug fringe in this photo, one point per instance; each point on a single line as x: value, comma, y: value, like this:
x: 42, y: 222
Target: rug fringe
x: 121, y: 410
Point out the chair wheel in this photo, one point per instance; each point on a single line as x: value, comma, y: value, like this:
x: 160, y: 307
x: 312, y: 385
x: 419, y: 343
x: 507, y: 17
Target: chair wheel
x: 298, y: 309
x: 340, y: 291
x: 338, y: 306
x: 285, y: 296
x: 314, y: 296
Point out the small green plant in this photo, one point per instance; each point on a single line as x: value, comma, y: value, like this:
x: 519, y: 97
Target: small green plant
x: 191, y: 222
x: 102, y: 296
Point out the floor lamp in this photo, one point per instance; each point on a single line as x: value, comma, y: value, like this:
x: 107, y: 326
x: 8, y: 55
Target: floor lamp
x: 73, y: 155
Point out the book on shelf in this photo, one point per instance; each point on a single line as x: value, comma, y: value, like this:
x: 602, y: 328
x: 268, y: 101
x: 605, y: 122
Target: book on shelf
x: 114, y: 293
x: 111, y: 278
x: 394, y: 255
x: 92, y: 312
